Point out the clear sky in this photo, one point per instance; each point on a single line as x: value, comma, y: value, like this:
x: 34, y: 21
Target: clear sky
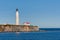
x: 43, y: 13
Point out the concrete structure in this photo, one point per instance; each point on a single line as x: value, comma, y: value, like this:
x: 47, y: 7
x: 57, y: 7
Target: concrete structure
x: 26, y: 27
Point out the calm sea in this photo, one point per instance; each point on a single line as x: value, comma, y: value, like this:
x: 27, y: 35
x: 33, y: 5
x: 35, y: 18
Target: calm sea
x: 48, y: 34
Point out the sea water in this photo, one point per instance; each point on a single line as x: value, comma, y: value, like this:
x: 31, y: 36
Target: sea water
x: 48, y: 34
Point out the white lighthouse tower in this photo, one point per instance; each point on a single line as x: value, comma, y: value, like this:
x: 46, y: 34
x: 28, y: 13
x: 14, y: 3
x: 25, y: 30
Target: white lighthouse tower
x: 17, y: 17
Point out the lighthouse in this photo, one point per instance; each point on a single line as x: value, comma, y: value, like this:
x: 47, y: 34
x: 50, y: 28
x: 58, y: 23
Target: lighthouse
x: 17, y: 17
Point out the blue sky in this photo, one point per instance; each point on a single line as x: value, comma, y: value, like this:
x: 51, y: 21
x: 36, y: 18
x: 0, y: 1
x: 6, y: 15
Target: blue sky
x: 43, y: 13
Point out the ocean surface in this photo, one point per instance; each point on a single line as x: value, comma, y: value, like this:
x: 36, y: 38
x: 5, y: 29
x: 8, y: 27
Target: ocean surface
x: 47, y: 34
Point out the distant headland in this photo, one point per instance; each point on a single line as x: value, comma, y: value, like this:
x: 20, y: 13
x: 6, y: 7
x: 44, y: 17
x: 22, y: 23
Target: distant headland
x: 26, y: 27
